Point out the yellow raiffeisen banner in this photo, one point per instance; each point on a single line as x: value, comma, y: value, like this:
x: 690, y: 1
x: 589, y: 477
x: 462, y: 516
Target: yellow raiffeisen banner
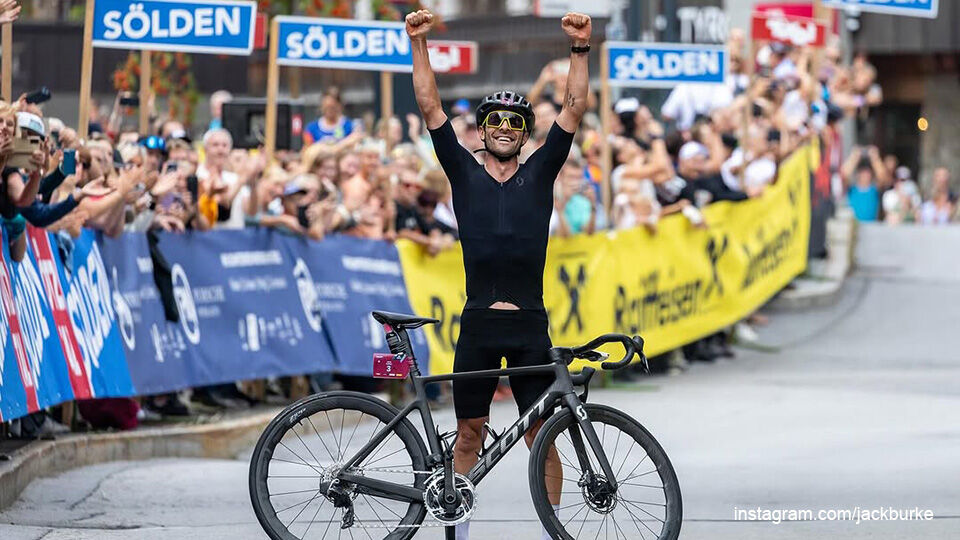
x: 671, y: 287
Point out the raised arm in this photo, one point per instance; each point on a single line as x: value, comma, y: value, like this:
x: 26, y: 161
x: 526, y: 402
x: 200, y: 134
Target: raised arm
x: 577, y: 27
x: 849, y: 166
x: 419, y: 24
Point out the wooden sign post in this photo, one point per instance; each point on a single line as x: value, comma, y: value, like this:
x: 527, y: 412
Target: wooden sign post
x: 273, y: 86
x: 606, y: 124
x: 146, y: 91
x: 386, y: 101
x: 825, y: 15
x: 86, y: 71
x: 6, y: 41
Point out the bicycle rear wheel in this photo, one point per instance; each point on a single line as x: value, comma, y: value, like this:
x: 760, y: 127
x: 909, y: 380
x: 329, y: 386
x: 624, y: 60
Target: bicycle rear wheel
x: 647, y: 504
x: 305, y: 446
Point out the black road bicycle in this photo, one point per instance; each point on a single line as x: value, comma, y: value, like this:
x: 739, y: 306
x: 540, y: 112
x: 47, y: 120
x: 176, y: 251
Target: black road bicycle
x: 349, y: 465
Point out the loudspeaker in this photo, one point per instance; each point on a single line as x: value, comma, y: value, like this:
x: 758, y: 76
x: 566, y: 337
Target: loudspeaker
x: 246, y: 120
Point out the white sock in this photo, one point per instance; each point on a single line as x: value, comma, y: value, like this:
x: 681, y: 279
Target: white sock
x: 463, y: 530
x: 546, y: 535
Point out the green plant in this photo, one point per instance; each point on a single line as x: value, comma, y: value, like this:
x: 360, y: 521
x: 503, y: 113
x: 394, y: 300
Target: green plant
x: 171, y: 78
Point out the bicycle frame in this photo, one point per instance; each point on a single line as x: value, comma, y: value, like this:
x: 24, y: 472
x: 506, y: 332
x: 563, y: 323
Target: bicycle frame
x: 561, y: 392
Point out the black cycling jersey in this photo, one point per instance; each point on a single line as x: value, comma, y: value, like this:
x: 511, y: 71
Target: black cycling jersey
x: 503, y: 226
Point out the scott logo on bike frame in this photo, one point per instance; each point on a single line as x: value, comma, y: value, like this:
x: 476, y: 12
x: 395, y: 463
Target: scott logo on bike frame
x: 507, y: 440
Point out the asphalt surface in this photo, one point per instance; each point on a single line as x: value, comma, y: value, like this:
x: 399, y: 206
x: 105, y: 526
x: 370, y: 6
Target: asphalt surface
x: 850, y: 407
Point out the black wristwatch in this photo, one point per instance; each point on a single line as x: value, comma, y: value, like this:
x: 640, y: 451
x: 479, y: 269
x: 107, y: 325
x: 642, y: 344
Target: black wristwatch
x: 579, y: 50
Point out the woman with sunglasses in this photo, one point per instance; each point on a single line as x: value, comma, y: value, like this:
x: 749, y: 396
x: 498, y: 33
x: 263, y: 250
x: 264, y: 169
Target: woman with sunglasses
x: 503, y: 211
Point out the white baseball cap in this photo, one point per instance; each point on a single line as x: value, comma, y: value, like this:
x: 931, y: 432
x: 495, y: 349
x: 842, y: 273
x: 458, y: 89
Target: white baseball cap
x: 26, y: 120
x: 629, y: 104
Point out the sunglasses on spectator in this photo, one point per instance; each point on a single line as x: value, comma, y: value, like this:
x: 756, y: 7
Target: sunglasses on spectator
x: 514, y: 121
x: 154, y: 142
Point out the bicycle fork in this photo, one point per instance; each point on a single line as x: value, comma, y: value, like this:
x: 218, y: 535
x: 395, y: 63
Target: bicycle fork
x: 602, y: 485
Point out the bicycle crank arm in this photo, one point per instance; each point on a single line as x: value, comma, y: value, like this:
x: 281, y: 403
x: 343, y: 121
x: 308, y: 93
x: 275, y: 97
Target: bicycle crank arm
x: 380, y: 488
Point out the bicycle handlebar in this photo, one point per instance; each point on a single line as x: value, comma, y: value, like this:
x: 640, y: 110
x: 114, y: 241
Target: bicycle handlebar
x: 631, y: 347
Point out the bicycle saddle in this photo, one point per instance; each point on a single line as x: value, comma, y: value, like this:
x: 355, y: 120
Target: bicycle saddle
x: 399, y: 320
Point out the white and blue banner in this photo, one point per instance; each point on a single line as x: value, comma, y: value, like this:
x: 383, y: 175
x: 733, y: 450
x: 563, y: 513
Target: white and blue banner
x: 343, y: 43
x: 158, y: 352
x: 909, y: 8
x: 84, y: 318
x: 59, y: 339
x: 208, y: 26
x: 351, y: 278
x: 664, y: 65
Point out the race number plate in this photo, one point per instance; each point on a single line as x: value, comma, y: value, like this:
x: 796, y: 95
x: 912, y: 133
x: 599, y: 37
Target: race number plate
x: 388, y: 366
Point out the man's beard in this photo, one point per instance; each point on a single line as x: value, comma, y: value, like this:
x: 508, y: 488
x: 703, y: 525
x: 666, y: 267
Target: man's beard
x: 501, y: 156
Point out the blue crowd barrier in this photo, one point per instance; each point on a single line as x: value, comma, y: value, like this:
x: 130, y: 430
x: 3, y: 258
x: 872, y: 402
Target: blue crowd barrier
x: 85, y: 317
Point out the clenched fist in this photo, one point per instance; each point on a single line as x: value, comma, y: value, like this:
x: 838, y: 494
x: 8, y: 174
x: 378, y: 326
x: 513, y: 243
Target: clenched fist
x: 419, y: 23
x: 577, y: 26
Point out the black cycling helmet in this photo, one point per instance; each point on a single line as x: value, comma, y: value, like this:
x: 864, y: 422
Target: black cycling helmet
x: 506, y: 100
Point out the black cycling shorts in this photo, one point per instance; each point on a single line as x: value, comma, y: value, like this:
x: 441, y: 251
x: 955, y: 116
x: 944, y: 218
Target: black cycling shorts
x: 487, y: 336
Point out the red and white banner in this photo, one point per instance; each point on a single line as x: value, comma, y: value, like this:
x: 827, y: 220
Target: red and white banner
x: 76, y: 368
x: 795, y: 31
x: 453, y: 56
x: 14, y: 332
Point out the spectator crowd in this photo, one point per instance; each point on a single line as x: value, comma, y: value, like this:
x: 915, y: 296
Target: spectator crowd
x: 381, y: 180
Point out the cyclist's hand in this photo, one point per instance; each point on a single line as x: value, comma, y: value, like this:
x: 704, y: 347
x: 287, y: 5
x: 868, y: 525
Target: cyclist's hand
x: 577, y: 26
x: 419, y: 23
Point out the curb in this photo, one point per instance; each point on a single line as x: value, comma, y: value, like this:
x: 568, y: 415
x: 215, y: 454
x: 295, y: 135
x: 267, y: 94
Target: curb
x: 220, y: 439
x: 822, y: 284
x: 809, y: 293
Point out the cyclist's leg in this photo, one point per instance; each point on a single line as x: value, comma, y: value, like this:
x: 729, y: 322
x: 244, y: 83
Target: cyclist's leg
x: 471, y: 398
x: 477, y: 349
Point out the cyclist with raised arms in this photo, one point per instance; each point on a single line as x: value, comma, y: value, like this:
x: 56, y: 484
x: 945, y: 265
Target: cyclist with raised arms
x: 503, y: 212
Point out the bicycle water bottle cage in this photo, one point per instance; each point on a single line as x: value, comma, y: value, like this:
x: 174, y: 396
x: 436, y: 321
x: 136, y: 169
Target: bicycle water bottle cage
x: 449, y: 441
x: 493, y: 435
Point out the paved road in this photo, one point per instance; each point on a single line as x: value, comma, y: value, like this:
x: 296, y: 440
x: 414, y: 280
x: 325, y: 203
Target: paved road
x: 856, y: 408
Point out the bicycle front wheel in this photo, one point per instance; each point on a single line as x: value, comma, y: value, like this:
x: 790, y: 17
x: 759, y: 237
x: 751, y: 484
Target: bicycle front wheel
x: 647, y: 502
x: 304, y: 449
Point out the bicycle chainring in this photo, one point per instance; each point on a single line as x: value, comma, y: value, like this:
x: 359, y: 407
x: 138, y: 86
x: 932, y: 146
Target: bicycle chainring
x: 433, y: 498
